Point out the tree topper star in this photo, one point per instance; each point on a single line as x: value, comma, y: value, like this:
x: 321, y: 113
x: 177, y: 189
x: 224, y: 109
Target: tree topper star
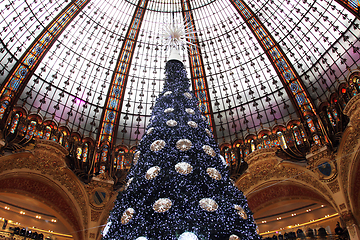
x: 177, y: 34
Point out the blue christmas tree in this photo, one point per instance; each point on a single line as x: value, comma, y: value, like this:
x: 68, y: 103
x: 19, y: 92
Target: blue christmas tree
x: 179, y: 185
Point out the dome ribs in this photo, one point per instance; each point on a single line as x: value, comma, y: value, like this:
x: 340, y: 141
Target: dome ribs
x: 351, y: 5
x: 198, y: 77
x: 111, y: 114
x: 22, y: 71
x: 295, y: 89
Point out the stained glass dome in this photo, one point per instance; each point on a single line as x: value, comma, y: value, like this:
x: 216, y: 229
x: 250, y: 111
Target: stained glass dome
x: 96, y: 67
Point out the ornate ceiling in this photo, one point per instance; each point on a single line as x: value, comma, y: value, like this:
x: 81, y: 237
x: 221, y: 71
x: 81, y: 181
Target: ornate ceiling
x: 255, y: 64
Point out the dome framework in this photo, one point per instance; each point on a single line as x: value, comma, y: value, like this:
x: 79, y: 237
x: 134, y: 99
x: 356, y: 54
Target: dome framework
x: 94, y: 68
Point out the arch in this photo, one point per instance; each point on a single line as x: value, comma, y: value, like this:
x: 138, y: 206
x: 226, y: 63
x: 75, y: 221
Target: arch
x: 276, y: 191
x: 266, y: 168
x: 278, y: 128
x: 35, y: 117
x: 222, y: 146
x: 292, y: 123
x: 238, y: 143
x: 42, y: 173
x: 263, y: 132
x: 47, y: 191
x: 348, y: 159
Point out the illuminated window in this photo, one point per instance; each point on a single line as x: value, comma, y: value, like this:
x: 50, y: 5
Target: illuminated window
x: 14, y: 123
x: 266, y: 141
x: 78, y: 153
x: 297, y: 135
x: 31, y: 130
x: 47, y: 133
x: 316, y: 139
x: 3, y: 108
x: 281, y: 139
x: 331, y: 119
x: 104, y: 154
x: 85, y: 153
x: 310, y: 124
x: 252, y: 145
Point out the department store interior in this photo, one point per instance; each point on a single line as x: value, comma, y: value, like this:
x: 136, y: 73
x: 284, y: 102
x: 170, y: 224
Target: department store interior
x: 278, y: 82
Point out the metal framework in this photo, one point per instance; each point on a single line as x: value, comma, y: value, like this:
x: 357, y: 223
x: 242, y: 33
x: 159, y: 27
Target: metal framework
x: 352, y: 5
x: 198, y: 76
x: 21, y: 73
x: 286, y: 72
x: 289, y: 77
x: 111, y: 114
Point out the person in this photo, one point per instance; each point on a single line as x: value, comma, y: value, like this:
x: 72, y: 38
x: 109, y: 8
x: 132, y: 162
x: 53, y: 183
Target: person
x: 322, y: 232
x: 300, y: 233
x: 342, y: 233
x: 310, y: 233
x: 338, y: 230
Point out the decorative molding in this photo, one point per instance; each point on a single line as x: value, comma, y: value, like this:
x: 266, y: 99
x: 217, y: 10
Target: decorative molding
x: 48, y: 159
x: 352, y: 110
x: 261, y: 154
x: 273, y: 193
x: 348, y: 218
x: 344, y: 158
x: 317, y: 153
x: 334, y: 186
x: 271, y: 170
x: 105, y: 186
x: 95, y: 215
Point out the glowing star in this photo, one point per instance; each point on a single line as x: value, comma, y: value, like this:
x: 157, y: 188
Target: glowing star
x: 177, y: 34
x: 188, y: 236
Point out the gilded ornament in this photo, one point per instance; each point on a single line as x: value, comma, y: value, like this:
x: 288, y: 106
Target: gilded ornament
x: 188, y: 95
x: 149, y: 131
x: 213, y: 173
x: 183, y: 168
x: 171, y: 123
x: 192, y: 124
x: 183, y: 144
x: 168, y: 110
x: 240, y: 211
x: 162, y: 205
x: 190, y: 111
x: 127, y: 215
x: 167, y: 93
x: 208, y: 204
x: 157, y: 145
x: 152, y: 172
x: 209, y: 151
x: 136, y: 157
x: 234, y: 237
x: 208, y: 132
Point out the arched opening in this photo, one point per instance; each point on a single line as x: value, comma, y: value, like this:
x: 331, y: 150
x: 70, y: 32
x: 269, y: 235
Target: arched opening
x: 19, y: 210
x: 45, y: 198
x: 290, y: 208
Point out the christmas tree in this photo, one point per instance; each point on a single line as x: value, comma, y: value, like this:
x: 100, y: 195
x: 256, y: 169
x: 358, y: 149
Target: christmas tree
x: 179, y: 186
